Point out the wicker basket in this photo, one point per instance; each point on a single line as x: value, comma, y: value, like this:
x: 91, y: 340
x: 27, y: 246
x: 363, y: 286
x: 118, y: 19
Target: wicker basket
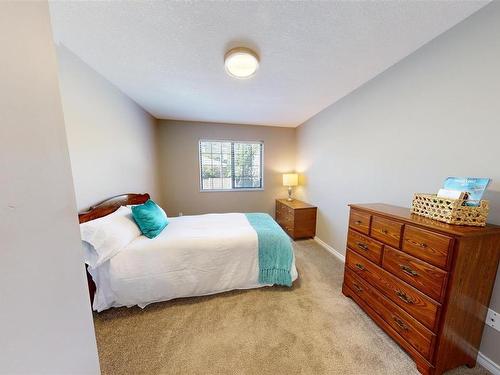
x: 450, y: 211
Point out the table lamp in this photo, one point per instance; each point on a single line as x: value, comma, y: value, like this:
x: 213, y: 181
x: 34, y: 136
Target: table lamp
x: 290, y: 179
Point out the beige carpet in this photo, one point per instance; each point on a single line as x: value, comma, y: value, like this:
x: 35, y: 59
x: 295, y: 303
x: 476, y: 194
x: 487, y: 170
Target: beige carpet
x: 308, y: 329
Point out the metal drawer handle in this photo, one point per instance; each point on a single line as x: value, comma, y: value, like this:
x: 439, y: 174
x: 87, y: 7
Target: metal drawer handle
x: 423, y: 245
x: 360, y: 267
x: 400, y: 323
x: 384, y: 231
x: 408, y: 270
x: 404, y: 297
x: 358, y: 288
x: 362, y: 245
x: 358, y: 222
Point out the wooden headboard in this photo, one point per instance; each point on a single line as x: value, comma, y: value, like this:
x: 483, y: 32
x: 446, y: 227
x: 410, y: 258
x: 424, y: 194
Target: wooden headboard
x: 110, y: 205
x: 104, y: 208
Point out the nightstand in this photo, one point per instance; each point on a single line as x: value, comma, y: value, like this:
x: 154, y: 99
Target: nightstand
x: 297, y: 218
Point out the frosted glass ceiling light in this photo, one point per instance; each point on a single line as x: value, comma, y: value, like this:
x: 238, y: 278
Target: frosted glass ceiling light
x: 241, y: 63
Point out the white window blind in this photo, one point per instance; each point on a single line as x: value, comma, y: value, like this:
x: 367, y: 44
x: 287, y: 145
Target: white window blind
x: 231, y: 165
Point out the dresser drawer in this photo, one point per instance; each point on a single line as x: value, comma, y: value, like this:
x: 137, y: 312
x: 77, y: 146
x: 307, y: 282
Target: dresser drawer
x: 417, y: 304
x: 365, y: 246
x: 280, y: 209
x: 284, y: 218
x: 431, y: 247
x: 387, y: 231
x: 423, y: 276
x: 360, y: 221
x: 288, y: 213
x: 404, y: 324
x: 283, y: 212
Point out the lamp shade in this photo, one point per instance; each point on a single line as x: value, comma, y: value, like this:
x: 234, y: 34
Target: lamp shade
x: 290, y: 179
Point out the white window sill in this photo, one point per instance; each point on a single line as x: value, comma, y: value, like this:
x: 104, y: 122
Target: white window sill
x: 229, y: 190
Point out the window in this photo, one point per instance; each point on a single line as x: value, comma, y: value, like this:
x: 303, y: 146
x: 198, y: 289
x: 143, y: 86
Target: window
x: 231, y: 165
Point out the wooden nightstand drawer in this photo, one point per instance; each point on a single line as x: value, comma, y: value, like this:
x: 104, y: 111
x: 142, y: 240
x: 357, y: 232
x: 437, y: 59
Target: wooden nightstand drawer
x: 297, y: 218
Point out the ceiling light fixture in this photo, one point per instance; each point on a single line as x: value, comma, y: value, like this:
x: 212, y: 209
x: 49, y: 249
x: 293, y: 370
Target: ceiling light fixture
x: 241, y: 62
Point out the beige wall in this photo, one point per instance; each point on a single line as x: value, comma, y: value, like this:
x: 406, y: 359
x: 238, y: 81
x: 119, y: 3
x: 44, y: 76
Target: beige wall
x: 179, y: 169
x: 433, y: 115
x: 110, y: 138
x: 46, y: 323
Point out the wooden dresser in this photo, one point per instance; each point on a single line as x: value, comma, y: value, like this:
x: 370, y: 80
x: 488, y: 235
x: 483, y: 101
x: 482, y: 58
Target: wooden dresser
x: 297, y: 218
x: 427, y: 284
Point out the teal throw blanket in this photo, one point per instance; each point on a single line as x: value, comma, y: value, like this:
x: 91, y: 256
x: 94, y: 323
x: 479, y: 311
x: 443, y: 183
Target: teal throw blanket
x: 275, y: 250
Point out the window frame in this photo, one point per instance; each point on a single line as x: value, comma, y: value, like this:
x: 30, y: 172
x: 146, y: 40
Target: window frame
x: 232, y: 189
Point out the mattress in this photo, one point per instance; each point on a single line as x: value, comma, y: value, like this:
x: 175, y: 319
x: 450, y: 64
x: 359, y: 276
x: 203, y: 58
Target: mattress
x: 193, y: 256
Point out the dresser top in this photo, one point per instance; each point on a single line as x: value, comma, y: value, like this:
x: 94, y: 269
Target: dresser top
x: 405, y: 214
x: 295, y: 204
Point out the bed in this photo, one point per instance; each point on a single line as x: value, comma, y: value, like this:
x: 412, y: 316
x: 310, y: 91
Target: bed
x: 193, y: 256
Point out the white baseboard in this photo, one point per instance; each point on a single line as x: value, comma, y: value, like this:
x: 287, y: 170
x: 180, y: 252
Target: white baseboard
x: 330, y: 249
x: 482, y: 360
x: 488, y: 364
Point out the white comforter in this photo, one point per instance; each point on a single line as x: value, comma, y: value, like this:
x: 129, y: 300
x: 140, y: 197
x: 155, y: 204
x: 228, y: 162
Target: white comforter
x: 193, y: 256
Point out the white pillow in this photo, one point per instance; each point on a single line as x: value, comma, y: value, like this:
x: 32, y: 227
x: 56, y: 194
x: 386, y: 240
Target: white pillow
x: 106, y: 236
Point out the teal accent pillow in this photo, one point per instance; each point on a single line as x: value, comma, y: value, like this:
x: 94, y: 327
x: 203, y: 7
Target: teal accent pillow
x: 150, y: 218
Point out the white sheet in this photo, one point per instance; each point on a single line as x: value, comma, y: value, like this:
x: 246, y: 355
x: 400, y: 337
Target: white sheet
x: 193, y: 256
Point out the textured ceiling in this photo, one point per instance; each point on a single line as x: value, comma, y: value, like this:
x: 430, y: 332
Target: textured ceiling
x: 168, y: 56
